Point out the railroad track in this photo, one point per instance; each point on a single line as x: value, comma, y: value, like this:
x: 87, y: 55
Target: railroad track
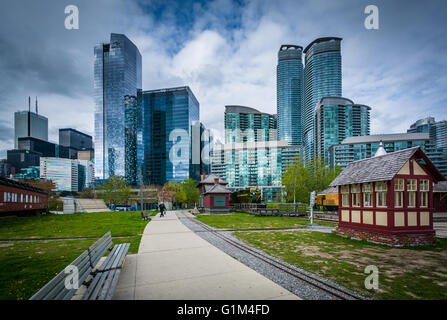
x: 334, y: 291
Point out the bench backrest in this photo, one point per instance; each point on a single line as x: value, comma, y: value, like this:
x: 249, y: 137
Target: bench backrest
x: 56, y: 289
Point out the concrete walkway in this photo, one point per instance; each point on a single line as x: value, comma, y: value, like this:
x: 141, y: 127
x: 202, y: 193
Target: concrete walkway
x: 175, y: 263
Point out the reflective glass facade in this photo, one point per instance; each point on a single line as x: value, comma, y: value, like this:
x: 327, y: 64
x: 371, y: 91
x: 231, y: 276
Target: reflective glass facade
x: 322, y: 78
x: 246, y: 165
x: 438, y: 133
x: 244, y: 124
x: 131, y: 130
x: 117, y: 72
x: 168, y: 117
x: 289, y: 89
x: 337, y: 118
x: 29, y: 124
x: 358, y: 148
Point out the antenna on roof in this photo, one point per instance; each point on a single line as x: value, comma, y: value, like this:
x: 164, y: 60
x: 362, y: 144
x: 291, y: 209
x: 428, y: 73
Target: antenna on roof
x: 29, y: 103
x: 37, y: 112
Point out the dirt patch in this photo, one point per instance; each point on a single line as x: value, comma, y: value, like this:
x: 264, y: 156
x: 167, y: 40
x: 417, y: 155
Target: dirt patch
x: 3, y: 245
x: 313, y: 251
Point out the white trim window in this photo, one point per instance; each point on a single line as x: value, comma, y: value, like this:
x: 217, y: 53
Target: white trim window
x: 412, y: 188
x: 424, y: 187
x: 381, y: 194
x: 355, y: 192
x: 367, y: 195
x: 344, y: 196
x: 399, y: 188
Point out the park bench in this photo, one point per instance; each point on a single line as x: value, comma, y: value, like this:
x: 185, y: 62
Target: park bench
x: 103, y: 280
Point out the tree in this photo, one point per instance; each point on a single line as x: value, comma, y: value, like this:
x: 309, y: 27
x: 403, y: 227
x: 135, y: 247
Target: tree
x: 115, y: 190
x: 302, y: 177
x: 190, y: 190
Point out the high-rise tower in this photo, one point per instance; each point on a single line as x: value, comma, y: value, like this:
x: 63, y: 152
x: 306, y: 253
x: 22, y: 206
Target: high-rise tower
x: 322, y: 78
x: 117, y: 72
x: 289, y: 84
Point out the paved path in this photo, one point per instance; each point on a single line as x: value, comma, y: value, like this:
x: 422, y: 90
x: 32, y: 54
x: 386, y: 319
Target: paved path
x: 174, y: 263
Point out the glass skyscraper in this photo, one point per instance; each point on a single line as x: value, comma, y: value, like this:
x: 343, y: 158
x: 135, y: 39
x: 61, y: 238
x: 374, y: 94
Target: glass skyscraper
x: 438, y: 133
x: 168, y: 118
x: 362, y: 147
x: 254, y: 164
x: 337, y: 118
x: 322, y: 78
x: 29, y: 124
x: 289, y: 88
x: 245, y: 124
x: 117, y: 72
x: 131, y: 133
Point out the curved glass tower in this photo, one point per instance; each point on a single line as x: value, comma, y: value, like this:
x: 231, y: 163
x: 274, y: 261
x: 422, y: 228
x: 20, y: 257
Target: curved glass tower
x: 337, y: 118
x: 117, y: 72
x: 289, y: 84
x: 322, y: 78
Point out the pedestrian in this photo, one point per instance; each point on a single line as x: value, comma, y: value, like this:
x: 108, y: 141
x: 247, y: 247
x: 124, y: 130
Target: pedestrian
x: 162, y: 209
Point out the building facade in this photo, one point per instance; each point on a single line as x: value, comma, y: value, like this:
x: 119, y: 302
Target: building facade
x: 388, y: 198
x: 254, y: 164
x: 168, y: 117
x: 68, y: 174
x: 336, y: 119
x: 245, y: 124
x: 45, y: 148
x: 322, y: 78
x: 71, y: 141
x: 117, y: 72
x: 29, y: 124
x: 363, y: 147
x: 289, y: 93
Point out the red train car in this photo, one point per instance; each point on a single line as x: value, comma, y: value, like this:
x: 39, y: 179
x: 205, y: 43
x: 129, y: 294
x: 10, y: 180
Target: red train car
x: 21, y: 198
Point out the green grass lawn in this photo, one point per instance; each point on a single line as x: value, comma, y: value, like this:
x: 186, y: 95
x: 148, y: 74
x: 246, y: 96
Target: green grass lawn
x: 404, y: 272
x: 241, y: 220
x: 74, y: 225
x: 27, y: 265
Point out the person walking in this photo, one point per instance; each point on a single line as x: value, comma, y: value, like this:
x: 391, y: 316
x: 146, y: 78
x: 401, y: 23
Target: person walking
x: 162, y: 209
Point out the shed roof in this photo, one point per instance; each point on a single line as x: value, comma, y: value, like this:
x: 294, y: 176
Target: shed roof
x: 209, y: 179
x: 440, y: 187
x: 383, y: 168
x: 217, y: 188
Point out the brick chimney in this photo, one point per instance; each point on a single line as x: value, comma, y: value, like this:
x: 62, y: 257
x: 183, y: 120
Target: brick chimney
x: 203, y: 175
x: 216, y: 180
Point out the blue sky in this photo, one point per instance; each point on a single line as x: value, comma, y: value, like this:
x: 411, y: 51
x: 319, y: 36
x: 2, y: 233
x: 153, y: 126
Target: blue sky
x: 225, y: 51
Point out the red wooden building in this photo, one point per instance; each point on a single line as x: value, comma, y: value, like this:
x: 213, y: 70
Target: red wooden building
x: 388, y: 198
x: 214, y: 196
x: 21, y: 198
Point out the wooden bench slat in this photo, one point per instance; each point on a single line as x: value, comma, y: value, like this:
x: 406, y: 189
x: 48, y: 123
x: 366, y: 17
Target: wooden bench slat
x: 109, y: 260
x: 107, y: 285
x: 113, y: 285
x: 48, y: 287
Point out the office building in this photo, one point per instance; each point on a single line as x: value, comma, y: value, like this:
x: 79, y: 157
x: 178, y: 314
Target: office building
x: 245, y: 124
x: 131, y: 133
x: 45, y: 148
x: 337, y: 118
x: 438, y: 133
x: 117, y: 72
x: 363, y: 147
x: 63, y: 172
x: 254, y: 164
x: 71, y: 141
x: 5, y: 168
x: 322, y: 78
x: 29, y: 124
x: 289, y: 91
x: 69, y: 175
x: 19, y: 159
x: 168, y: 117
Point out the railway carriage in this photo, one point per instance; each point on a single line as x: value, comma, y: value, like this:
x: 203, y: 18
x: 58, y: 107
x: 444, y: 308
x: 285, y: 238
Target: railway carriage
x: 21, y: 199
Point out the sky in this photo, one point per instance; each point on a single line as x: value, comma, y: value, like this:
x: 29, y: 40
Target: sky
x: 225, y: 51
